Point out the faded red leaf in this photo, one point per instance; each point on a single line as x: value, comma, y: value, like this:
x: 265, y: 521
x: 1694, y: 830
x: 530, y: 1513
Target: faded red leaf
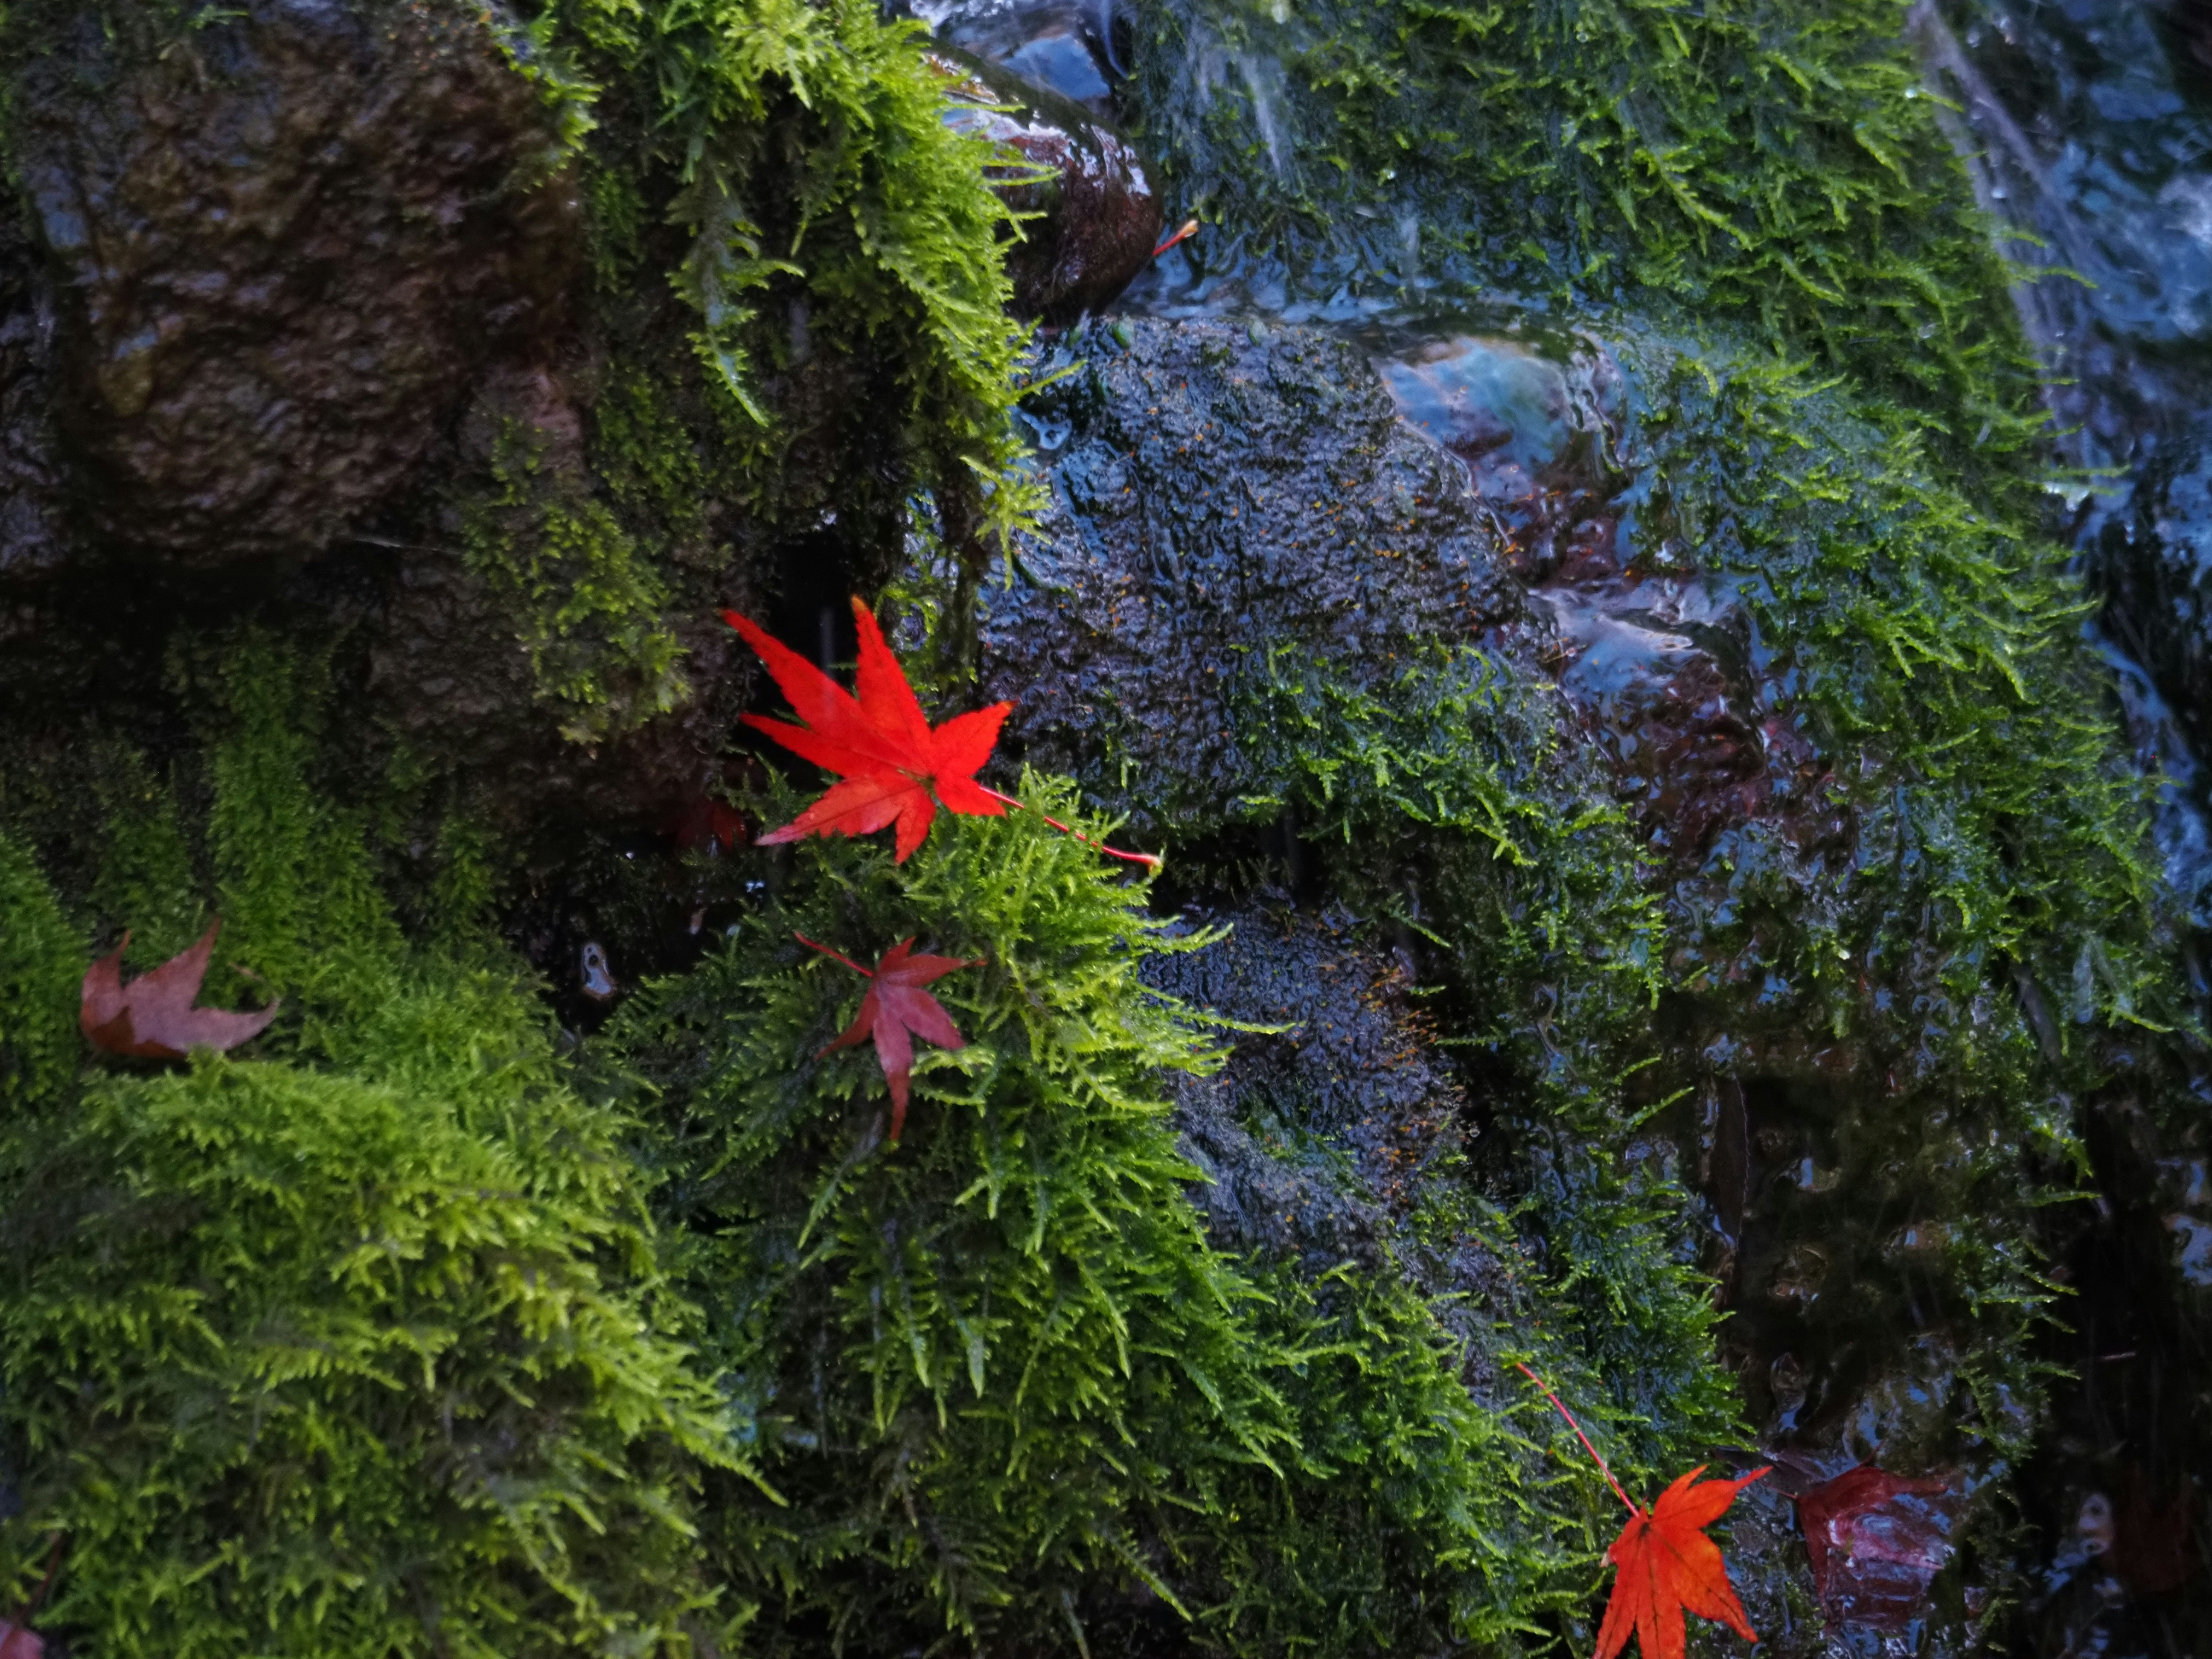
x: 1666, y: 1566
x: 1876, y: 1541
x: 20, y: 1641
x: 893, y: 766
x: 2154, y: 1543
x: 152, y: 1016
x: 895, y: 1011
x: 708, y: 826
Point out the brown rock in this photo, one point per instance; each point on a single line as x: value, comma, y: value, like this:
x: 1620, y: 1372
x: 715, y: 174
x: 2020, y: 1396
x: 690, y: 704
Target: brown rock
x: 285, y: 244
x: 1093, y: 222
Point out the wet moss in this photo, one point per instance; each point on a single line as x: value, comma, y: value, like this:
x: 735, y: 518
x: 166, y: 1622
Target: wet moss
x: 588, y: 601
x: 1006, y: 1385
x: 1759, y: 159
x: 824, y: 215
x: 42, y: 959
x: 1931, y: 640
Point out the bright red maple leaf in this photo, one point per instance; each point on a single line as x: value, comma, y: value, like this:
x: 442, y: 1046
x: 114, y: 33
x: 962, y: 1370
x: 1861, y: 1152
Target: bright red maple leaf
x: 152, y: 1016
x: 1663, y: 1562
x: 1666, y: 1565
x: 894, y: 766
x: 895, y: 1011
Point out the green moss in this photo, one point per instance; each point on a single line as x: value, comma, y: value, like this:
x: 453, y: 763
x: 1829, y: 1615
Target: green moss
x: 1448, y: 796
x: 1413, y: 1518
x: 589, y: 603
x: 1767, y: 160
x: 298, y: 1364
x: 147, y: 878
x: 981, y: 1364
x: 361, y: 1346
x: 828, y: 216
x: 1930, y: 643
x: 1007, y: 1388
x: 42, y: 963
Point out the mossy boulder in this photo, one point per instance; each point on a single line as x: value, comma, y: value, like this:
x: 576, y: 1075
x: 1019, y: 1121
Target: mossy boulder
x: 421, y: 331
x: 364, y: 1345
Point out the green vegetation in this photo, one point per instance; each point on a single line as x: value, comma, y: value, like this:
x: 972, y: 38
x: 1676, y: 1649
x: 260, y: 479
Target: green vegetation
x: 1931, y: 647
x: 837, y: 338
x: 361, y: 1346
x: 830, y: 222
x: 998, y: 1377
x: 424, y: 1327
x: 589, y: 604
x: 1764, y: 160
x: 387, y: 1340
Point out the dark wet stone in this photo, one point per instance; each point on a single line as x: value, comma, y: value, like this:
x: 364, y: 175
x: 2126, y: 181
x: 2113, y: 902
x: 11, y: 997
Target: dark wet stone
x: 1314, y: 1139
x: 285, y: 244
x: 1062, y: 48
x: 32, y: 537
x: 1664, y: 660
x: 1090, y: 224
x: 2154, y: 568
x: 1318, y: 1142
x: 1221, y: 491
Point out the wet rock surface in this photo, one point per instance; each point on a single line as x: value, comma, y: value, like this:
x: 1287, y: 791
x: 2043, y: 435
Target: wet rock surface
x: 1315, y: 1139
x: 1091, y: 221
x: 284, y: 244
x: 2154, y: 565
x: 32, y: 539
x: 1665, y: 661
x: 1077, y: 51
x: 1222, y: 492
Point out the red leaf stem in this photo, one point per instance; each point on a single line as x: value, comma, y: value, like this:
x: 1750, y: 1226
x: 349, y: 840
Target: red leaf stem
x: 1604, y: 1468
x: 839, y: 956
x: 1151, y: 860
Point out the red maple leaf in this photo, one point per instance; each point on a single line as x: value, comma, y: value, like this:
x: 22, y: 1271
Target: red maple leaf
x: 19, y: 1641
x: 894, y: 766
x: 1663, y: 1562
x: 1666, y: 1565
x: 895, y: 1011
x: 152, y: 1016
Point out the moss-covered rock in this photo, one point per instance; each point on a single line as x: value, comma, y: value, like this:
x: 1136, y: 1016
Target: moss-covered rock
x: 1004, y: 1382
x: 492, y: 350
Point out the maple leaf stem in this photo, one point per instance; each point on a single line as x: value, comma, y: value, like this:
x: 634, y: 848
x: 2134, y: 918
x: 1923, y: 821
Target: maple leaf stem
x: 839, y: 955
x: 1604, y: 1468
x: 1150, y: 860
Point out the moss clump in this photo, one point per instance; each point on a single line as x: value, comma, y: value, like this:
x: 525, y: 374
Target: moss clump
x: 1763, y: 159
x: 837, y: 235
x: 992, y: 1359
x: 588, y: 602
x: 41, y: 965
x: 1445, y: 799
x: 361, y: 1347
x: 303, y: 1363
x: 1006, y: 1385
x: 1930, y: 642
